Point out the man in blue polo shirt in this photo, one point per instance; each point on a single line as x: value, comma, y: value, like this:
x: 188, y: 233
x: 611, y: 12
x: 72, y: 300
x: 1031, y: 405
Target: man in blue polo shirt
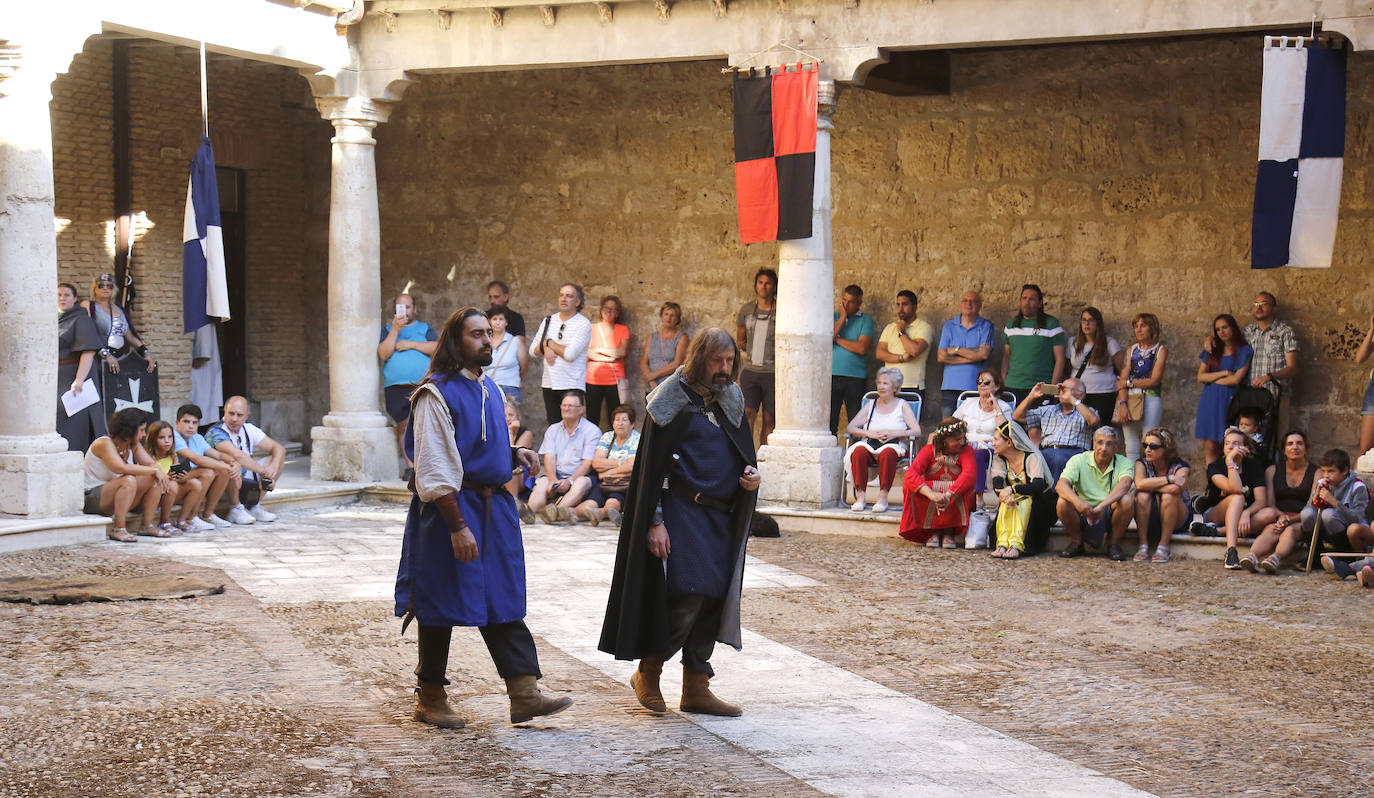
x: 965, y: 346
x: 405, y: 350
x: 851, y: 340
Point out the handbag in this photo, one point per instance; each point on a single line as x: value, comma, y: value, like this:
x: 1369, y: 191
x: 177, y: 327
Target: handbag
x: 622, y: 389
x: 1135, y: 406
x: 979, y: 529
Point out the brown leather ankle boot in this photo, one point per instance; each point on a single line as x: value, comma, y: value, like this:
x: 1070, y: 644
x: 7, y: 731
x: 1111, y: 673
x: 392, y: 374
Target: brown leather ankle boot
x: 432, y: 707
x: 697, y: 696
x: 527, y: 703
x: 645, y: 683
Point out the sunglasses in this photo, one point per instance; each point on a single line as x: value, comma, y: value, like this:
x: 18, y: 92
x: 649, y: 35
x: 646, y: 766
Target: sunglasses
x: 561, y: 328
x: 985, y: 382
x: 1153, y: 445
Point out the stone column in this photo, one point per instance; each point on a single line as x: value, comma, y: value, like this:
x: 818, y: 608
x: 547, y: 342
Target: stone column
x: 38, y: 476
x: 801, y: 465
x: 354, y: 443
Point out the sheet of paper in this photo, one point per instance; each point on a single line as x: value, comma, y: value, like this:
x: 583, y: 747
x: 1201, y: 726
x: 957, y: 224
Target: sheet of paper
x: 76, y: 402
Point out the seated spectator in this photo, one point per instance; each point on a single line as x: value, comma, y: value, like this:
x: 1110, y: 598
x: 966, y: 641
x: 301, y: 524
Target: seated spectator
x: 1140, y: 383
x: 1161, y: 498
x: 607, y: 385
x: 520, y: 482
x: 1289, y: 484
x: 1362, y: 569
x: 881, y: 429
x: 983, y: 413
x: 666, y: 349
x: 568, y: 450
x: 614, y: 462
x: 938, y: 489
x: 207, y: 465
x: 1096, y: 358
x: 1095, y: 497
x: 1224, y: 366
x: 1020, y: 477
x: 236, y: 440
x: 160, y: 443
x: 1244, y: 505
x: 1061, y: 430
x: 1338, y: 504
x: 405, y: 348
x: 509, y: 358
x: 118, y: 473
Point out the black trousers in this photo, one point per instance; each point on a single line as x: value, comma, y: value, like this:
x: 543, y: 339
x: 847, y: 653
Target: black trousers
x: 510, y: 644
x: 553, y: 401
x: 599, y: 396
x: 850, y: 392
x: 693, y: 622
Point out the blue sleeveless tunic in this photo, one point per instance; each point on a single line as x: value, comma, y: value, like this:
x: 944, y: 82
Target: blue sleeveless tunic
x: 702, y: 559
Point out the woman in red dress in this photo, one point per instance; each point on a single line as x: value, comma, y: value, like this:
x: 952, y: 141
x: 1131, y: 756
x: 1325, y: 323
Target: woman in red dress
x: 939, y: 488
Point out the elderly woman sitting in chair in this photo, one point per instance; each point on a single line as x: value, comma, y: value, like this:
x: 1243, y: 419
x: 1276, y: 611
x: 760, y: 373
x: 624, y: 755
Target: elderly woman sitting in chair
x: 881, y: 428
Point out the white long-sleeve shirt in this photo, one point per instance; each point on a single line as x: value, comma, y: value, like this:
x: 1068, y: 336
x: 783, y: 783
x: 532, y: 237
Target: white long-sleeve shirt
x: 568, y: 370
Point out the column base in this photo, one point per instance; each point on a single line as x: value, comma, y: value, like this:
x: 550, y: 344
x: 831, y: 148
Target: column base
x: 41, y: 485
x: 801, y: 468
x: 353, y: 454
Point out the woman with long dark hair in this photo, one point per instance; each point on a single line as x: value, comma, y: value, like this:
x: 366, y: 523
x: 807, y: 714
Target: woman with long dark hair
x: 118, y: 472
x: 1096, y: 358
x: 1221, y: 370
x: 1290, y: 488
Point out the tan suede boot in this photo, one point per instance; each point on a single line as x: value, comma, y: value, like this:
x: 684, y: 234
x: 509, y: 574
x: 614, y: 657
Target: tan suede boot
x: 527, y: 703
x: 645, y: 683
x: 697, y: 696
x: 432, y: 707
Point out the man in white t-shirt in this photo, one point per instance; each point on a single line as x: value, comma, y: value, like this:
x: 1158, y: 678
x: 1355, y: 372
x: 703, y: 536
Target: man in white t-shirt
x: 236, y: 439
x: 561, y: 342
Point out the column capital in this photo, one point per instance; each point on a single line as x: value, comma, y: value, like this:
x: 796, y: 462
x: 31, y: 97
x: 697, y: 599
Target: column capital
x: 827, y: 92
x: 355, y: 111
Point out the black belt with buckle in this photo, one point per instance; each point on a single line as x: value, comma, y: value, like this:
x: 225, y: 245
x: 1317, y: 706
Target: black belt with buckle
x: 679, y: 486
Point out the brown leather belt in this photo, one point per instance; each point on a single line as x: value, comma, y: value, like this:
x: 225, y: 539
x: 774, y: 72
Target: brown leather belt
x: 69, y: 361
x: 679, y: 486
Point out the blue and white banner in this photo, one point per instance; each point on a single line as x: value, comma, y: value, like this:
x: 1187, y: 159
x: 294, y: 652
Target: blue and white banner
x: 1301, y: 154
x: 204, y: 287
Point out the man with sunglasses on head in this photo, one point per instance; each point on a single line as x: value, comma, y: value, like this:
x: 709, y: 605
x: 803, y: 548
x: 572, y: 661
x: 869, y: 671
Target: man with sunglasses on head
x: 561, y: 342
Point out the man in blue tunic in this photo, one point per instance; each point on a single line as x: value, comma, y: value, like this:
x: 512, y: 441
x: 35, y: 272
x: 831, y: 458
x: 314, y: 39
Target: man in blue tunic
x: 680, y: 563
x: 462, y: 559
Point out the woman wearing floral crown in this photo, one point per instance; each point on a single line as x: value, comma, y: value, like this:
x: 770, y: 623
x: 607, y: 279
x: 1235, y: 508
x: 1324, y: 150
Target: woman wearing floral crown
x: 939, y: 488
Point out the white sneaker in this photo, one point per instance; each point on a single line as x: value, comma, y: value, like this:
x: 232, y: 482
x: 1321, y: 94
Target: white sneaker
x: 859, y: 505
x: 201, y: 525
x: 261, y: 514
x: 238, y: 515
x: 880, y: 506
x: 215, y: 521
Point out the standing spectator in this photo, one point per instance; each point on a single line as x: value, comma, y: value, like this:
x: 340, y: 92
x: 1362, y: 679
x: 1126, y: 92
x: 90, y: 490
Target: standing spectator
x: 1289, y: 483
x: 568, y: 450
x: 755, y: 330
x: 607, y: 385
x: 77, y: 343
x: 1095, y: 496
x: 882, y: 428
x: 207, y: 466
x: 1225, y: 362
x: 237, y: 440
x: 965, y: 346
x: 1061, y: 430
x: 118, y: 473
x: 1034, y: 350
x: 1367, y: 408
x: 1096, y: 359
x: 983, y: 414
x: 405, y: 349
x: 561, y: 341
x: 498, y: 294
x: 614, y: 463
x: 904, y: 342
x: 1140, y: 382
x: 939, y: 488
x: 850, y: 341
x: 1276, y: 353
x: 1161, y: 502
x: 113, y: 325
x: 1244, y: 505
x: 1025, y: 498
x: 509, y: 357
x: 666, y: 349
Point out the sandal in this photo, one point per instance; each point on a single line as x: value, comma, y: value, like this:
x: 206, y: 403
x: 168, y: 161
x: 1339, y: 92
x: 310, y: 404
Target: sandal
x: 153, y: 531
x: 933, y: 542
x: 949, y: 543
x: 1012, y: 554
x: 171, y: 529
x: 1142, y: 554
x: 1000, y: 553
x: 122, y: 535
x: 1161, y: 554
x: 1270, y: 565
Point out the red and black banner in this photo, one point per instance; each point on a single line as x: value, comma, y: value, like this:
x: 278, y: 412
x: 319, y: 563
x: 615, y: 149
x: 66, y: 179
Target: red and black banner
x: 775, y: 152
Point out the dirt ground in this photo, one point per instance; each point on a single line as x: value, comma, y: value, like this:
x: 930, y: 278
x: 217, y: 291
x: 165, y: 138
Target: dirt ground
x: 1181, y: 679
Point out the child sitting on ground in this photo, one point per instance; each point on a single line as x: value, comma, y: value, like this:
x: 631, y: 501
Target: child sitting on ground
x: 1361, y: 569
x: 1338, y: 504
x: 161, y: 446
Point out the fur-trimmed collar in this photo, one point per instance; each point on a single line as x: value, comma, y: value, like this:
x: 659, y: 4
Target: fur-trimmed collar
x: 670, y: 397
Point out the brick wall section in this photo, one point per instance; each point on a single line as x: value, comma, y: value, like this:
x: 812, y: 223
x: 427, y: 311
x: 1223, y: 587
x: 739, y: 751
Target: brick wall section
x: 1119, y: 175
x: 261, y: 122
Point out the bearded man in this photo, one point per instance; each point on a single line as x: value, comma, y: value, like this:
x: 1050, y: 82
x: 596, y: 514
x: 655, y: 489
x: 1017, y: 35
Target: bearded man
x: 680, y: 562
x: 462, y: 559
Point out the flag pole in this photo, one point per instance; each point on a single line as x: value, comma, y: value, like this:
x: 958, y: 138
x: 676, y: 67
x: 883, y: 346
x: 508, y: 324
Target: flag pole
x: 204, y: 95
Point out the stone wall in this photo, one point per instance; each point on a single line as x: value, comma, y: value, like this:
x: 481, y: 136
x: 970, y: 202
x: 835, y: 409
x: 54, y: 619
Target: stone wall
x: 1118, y: 175
x: 261, y: 121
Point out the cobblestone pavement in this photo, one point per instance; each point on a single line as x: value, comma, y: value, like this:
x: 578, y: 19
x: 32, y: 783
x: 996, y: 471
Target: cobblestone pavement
x: 1178, y: 680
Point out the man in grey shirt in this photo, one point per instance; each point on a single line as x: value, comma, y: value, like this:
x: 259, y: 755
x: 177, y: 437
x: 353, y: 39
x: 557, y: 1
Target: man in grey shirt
x: 755, y: 327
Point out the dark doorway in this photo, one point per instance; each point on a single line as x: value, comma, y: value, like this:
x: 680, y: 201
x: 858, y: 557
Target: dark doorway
x: 233, y: 334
